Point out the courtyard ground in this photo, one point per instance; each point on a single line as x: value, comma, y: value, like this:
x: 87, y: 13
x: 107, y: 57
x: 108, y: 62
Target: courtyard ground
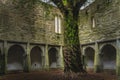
x: 56, y: 75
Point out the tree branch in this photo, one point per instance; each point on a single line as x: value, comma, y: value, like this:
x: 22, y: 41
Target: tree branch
x: 79, y: 3
x: 77, y: 7
x: 59, y: 4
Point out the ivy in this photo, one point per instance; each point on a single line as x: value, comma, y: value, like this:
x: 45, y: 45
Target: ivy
x: 64, y: 2
x: 71, y: 30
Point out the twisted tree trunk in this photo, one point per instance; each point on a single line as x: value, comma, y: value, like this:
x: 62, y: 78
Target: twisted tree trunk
x: 72, y: 52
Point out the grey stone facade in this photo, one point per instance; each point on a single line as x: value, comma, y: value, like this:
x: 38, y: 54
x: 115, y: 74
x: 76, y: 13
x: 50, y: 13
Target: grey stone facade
x: 33, y: 31
x: 99, y: 33
x: 28, y: 37
x: 25, y: 24
x: 106, y: 17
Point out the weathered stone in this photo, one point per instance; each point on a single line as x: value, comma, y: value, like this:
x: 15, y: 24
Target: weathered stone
x: 29, y: 24
x: 106, y: 18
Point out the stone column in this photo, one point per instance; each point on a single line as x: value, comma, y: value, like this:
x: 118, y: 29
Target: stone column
x: 84, y: 59
x: 118, y: 58
x: 27, y: 59
x: 61, y: 59
x: 46, y: 64
x: 5, y: 52
x: 97, y: 62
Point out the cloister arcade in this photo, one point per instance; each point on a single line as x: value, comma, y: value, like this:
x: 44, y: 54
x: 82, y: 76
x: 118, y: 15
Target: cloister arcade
x: 23, y: 56
x: 102, y: 56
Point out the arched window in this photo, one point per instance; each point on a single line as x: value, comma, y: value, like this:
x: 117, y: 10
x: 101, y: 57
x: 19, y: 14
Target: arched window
x: 93, y: 22
x: 57, y: 24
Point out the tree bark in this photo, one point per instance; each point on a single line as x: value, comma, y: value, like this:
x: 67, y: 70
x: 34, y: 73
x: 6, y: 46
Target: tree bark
x: 72, y: 52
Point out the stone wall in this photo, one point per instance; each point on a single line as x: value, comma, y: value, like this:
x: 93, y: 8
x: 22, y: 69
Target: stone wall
x: 36, y: 24
x: 100, y: 21
x: 26, y: 23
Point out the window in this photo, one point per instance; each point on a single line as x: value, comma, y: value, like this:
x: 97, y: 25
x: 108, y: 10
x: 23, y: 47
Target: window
x: 93, y: 22
x: 57, y: 24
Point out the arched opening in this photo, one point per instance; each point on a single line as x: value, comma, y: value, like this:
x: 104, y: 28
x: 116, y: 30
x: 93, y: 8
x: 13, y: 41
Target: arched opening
x: 89, y: 54
x: 53, y: 58
x: 15, y: 60
x: 36, y: 58
x: 108, y: 53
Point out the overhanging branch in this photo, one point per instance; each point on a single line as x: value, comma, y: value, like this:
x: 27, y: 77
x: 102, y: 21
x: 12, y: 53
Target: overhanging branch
x: 79, y: 3
x: 77, y: 7
x: 60, y: 5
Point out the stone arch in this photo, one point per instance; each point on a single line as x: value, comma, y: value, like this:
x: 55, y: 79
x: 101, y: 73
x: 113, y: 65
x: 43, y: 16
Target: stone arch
x: 36, y: 58
x: 53, y: 56
x: 89, y: 58
x: 108, y: 57
x: 16, y: 58
x: 111, y: 44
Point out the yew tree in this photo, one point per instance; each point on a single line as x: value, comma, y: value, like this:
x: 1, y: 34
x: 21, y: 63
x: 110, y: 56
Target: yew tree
x: 72, y: 53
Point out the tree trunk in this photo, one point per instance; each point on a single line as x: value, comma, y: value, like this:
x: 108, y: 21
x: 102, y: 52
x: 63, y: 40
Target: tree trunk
x: 72, y: 52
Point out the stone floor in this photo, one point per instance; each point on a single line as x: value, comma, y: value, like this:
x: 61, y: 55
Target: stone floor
x: 56, y: 75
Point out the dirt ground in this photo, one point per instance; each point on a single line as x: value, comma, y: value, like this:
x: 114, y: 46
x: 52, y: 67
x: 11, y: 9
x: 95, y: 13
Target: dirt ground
x: 56, y: 75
